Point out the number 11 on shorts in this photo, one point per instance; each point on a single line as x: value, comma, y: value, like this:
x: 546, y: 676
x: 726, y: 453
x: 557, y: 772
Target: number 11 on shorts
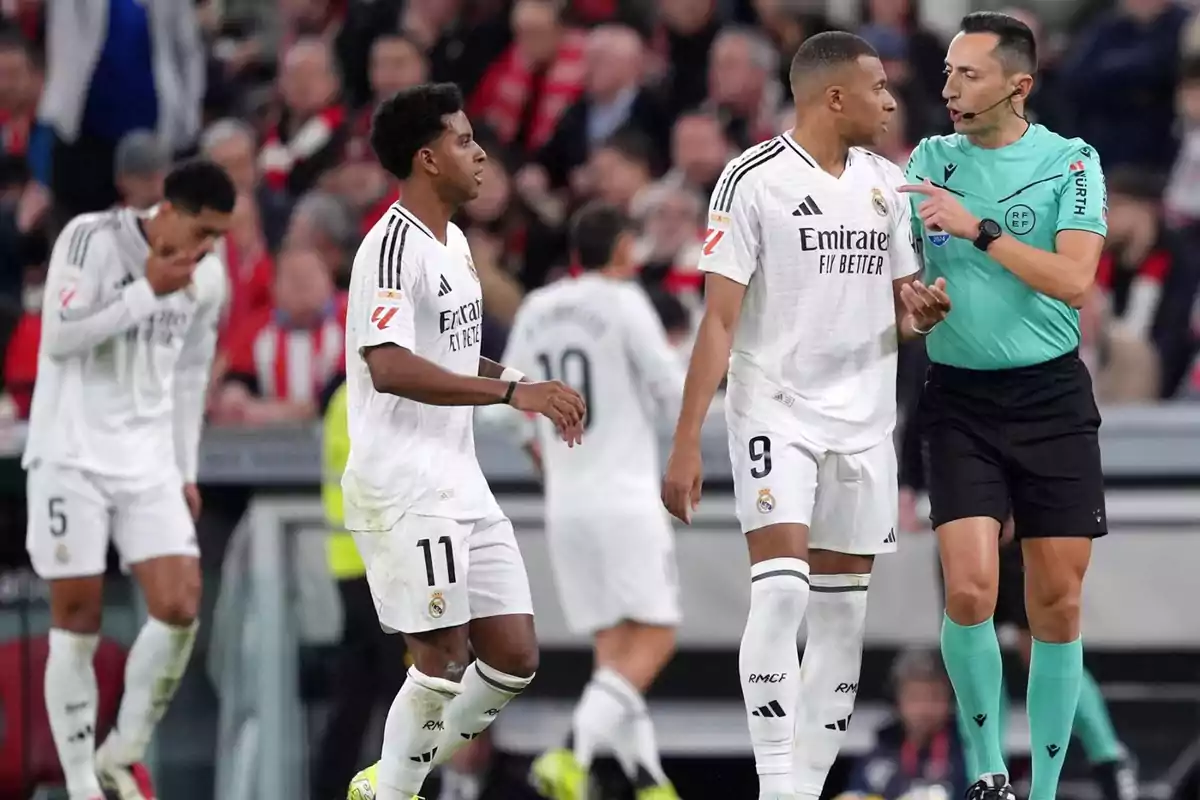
x: 427, y: 550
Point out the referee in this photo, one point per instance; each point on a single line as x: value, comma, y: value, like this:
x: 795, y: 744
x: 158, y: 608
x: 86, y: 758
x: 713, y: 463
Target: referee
x: 1012, y: 216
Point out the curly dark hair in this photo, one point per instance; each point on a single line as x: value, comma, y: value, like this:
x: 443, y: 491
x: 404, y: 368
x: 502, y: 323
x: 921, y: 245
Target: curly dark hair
x: 409, y: 120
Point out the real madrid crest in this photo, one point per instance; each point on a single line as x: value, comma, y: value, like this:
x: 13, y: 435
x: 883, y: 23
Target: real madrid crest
x: 437, y: 605
x: 879, y: 203
x: 766, y: 501
x: 471, y: 266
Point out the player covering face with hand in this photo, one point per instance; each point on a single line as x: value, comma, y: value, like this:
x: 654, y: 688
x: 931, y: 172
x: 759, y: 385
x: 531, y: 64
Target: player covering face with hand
x: 129, y: 328
x: 442, y: 561
x: 811, y: 283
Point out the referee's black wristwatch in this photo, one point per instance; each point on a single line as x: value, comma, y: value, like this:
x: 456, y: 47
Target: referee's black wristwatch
x: 989, y: 231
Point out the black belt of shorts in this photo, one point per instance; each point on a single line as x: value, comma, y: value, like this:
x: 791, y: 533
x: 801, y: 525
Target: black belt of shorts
x: 1049, y: 382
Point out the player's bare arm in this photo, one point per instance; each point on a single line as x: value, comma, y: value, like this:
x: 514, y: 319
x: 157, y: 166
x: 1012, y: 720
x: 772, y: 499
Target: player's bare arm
x: 708, y: 365
x: 397, y: 370
x: 919, y: 307
x: 1065, y: 274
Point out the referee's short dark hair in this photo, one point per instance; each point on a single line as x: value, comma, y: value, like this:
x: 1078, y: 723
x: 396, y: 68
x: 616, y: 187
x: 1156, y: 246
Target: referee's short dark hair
x: 1015, y: 46
x: 595, y: 230
x: 825, y: 50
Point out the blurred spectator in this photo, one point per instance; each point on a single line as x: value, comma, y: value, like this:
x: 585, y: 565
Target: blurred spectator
x: 921, y: 749
x: 248, y: 264
x: 1182, y: 199
x: 689, y: 28
x: 141, y: 163
x: 672, y: 218
x: 1137, y: 259
x: 620, y: 168
x: 1046, y: 105
x: 742, y: 86
x: 284, y: 365
x: 921, y: 114
x: 613, y: 99
x: 526, y: 91
x: 21, y: 350
x: 788, y: 23
x: 310, y: 134
x: 230, y: 143
x: 20, y: 88
x: 322, y: 222
x: 699, y: 152
x: 1121, y: 76
x: 462, y: 38
x: 924, y: 52
x: 146, y: 72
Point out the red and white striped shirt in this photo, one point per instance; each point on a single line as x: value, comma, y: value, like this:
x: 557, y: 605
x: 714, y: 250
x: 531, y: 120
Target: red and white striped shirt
x: 278, y: 361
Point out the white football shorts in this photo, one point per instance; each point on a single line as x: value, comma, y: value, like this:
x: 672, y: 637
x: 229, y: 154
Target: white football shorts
x: 428, y: 573
x: 849, y: 501
x: 613, y: 567
x: 72, y: 514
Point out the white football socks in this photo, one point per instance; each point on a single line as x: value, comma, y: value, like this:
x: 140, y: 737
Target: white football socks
x: 156, y: 663
x: 602, y: 708
x: 485, y: 692
x: 837, y: 618
x: 769, y: 663
x: 411, y: 733
x: 71, y: 699
x: 635, y: 744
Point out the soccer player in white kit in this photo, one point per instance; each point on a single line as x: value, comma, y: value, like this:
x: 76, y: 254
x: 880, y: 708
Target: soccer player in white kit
x: 809, y: 258
x: 442, y: 561
x: 129, y: 327
x: 611, y: 543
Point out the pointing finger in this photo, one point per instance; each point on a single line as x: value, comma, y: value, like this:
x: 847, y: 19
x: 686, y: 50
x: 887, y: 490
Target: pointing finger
x: 917, y: 188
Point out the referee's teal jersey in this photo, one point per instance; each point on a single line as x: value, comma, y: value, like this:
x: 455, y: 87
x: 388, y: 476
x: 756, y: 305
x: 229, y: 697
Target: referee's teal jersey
x: 1035, y: 187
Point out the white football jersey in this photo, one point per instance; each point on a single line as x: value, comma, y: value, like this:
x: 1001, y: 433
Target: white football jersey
x: 603, y: 338
x: 122, y: 373
x: 410, y: 290
x: 815, y: 347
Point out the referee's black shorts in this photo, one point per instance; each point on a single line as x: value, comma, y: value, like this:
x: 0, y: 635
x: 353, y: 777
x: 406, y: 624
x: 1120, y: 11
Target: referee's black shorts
x: 1022, y: 441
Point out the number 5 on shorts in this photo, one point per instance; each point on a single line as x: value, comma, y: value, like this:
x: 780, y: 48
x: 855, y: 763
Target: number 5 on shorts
x: 58, y: 517
x: 427, y: 550
x: 760, y: 457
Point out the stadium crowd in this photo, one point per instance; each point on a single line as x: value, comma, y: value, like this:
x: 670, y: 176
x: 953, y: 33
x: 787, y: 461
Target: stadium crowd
x: 639, y: 104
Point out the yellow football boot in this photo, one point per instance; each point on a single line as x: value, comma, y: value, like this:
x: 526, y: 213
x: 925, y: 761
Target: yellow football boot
x: 664, y: 792
x: 362, y: 786
x: 556, y: 775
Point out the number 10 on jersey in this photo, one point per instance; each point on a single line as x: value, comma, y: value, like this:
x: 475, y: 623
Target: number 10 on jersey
x: 574, y: 368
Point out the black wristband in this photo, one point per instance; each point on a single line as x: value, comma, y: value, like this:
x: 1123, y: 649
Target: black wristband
x: 512, y: 387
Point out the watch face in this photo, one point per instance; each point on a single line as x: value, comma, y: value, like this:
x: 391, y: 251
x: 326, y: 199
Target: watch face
x: 990, y: 228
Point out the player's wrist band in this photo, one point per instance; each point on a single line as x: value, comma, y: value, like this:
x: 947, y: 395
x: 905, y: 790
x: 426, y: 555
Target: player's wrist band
x: 920, y: 332
x: 512, y: 387
x: 512, y: 375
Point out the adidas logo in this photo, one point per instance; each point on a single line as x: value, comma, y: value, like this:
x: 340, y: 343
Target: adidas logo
x: 1052, y: 749
x: 891, y: 537
x: 443, y: 287
x: 840, y: 725
x: 424, y: 758
x: 469, y: 736
x: 770, y: 710
x: 808, y: 208
x: 980, y: 719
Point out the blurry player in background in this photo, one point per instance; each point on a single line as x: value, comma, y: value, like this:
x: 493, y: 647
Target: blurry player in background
x: 611, y: 544
x: 442, y: 561
x: 130, y: 314
x: 811, y: 269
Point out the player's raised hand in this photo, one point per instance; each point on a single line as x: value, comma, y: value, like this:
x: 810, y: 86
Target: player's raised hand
x: 555, y: 401
x: 170, y: 269
x: 941, y: 211
x: 927, y: 305
x: 683, y: 481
